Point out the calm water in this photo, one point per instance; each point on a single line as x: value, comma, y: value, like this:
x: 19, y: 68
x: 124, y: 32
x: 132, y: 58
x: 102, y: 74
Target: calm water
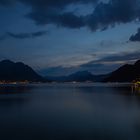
x: 69, y: 112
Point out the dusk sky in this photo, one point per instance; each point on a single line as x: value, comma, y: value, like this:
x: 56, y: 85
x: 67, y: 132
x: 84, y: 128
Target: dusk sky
x: 59, y: 37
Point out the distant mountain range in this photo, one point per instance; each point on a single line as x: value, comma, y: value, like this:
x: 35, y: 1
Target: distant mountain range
x: 126, y: 73
x: 81, y: 76
x: 10, y: 71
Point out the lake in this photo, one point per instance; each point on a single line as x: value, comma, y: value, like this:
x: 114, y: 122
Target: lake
x: 69, y: 112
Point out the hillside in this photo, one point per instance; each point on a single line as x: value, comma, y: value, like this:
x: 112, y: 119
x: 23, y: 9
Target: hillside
x: 11, y: 71
x: 126, y: 73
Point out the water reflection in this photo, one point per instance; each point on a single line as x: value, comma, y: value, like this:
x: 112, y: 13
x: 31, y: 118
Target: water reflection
x: 13, y: 89
x: 69, y: 112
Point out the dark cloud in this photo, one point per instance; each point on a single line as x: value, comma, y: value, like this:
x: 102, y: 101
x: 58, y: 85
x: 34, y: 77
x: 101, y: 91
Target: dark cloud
x: 114, y: 12
x: 46, y: 4
x: 54, y: 3
x: 104, y: 15
x: 23, y: 35
x: 135, y: 37
x: 66, y: 19
x: 115, y: 59
x: 38, y: 34
x: 70, y: 20
x: 7, y: 2
x: 19, y: 36
x: 26, y: 35
x: 51, y: 12
x: 110, y: 63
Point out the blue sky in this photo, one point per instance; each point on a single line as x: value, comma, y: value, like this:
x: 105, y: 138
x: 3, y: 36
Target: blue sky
x: 58, y: 38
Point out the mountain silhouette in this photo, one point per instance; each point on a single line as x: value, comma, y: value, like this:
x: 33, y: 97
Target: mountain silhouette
x: 126, y: 73
x: 80, y: 76
x: 11, y: 71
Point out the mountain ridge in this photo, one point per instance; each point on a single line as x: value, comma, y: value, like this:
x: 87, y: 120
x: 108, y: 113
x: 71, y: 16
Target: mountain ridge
x: 17, y: 71
x: 125, y: 73
x: 79, y: 76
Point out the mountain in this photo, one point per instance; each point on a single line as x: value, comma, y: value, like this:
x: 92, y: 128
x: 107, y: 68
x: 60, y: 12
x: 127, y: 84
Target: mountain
x: 10, y: 71
x: 126, y: 73
x: 80, y: 76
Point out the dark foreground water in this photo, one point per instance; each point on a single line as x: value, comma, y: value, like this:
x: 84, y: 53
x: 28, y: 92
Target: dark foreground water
x: 69, y: 112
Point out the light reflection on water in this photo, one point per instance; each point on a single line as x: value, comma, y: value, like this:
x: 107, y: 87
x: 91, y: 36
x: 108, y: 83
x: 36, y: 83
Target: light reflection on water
x: 69, y: 112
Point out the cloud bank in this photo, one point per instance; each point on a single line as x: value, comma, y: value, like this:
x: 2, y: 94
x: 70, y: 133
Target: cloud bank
x: 104, y: 15
x: 23, y: 35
